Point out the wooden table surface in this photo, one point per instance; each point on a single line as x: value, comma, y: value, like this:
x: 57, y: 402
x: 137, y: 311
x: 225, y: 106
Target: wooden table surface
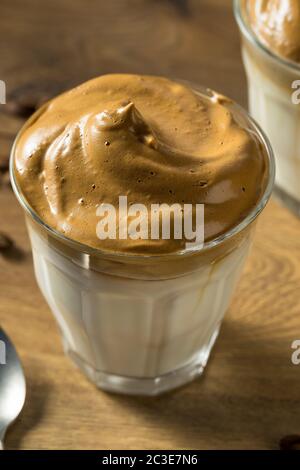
x: 249, y: 395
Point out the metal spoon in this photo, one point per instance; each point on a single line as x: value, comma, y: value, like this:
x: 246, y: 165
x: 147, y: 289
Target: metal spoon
x: 12, y: 385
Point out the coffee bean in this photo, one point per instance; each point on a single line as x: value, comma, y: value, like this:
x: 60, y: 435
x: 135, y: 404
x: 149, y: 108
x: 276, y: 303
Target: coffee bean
x: 27, y: 98
x: 4, y: 163
x: 5, y: 180
x: 25, y: 105
x: 6, y: 242
x: 10, y: 251
x: 181, y: 6
x: 22, y: 106
x: 291, y: 442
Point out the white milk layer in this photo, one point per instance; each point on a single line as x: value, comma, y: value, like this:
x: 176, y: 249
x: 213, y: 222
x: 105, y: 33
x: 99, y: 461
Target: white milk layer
x: 272, y: 107
x: 135, y: 328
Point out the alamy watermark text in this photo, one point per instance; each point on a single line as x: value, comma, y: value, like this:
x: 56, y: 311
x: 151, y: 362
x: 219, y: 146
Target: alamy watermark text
x: 2, y: 352
x: 2, y: 92
x: 296, y: 354
x: 159, y: 221
x: 296, y: 93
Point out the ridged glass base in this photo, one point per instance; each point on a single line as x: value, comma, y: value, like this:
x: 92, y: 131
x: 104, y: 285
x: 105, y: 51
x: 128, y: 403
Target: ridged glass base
x: 145, y: 386
x: 292, y: 204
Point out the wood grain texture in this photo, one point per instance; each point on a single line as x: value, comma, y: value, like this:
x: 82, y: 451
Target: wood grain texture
x: 249, y: 394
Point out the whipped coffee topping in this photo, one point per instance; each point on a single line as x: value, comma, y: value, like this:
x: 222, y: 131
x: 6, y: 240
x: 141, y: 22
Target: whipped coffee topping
x: 148, y: 138
x: 277, y: 23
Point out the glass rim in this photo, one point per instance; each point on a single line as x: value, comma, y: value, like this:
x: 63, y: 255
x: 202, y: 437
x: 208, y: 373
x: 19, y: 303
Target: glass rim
x: 235, y: 230
x: 249, y: 33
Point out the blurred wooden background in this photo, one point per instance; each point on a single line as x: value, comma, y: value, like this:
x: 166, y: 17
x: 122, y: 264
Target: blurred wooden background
x: 249, y: 395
